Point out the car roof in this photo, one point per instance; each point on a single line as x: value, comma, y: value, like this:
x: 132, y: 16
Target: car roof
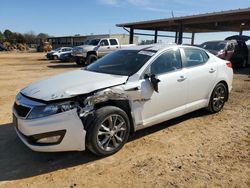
x: 152, y: 47
x: 216, y: 41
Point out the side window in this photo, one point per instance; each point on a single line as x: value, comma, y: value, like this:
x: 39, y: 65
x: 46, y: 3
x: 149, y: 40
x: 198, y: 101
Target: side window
x: 195, y: 57
x: 104, y: 43
x: 113, y: 42
x: 166, y: 62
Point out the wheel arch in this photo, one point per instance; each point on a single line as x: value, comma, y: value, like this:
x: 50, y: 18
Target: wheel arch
x: 122, y: 104
x: 225, y: 83
x: 91, y: 53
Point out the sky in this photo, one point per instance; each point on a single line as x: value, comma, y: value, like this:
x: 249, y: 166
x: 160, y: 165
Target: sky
x: 84, y: 17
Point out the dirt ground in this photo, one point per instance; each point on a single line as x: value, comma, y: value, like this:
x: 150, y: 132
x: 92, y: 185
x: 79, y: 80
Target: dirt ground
x: 195, y: 150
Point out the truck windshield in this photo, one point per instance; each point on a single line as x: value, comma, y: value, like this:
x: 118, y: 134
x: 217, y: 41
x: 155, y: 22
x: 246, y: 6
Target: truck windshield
x: 94, y: 42
x: 123, y: 62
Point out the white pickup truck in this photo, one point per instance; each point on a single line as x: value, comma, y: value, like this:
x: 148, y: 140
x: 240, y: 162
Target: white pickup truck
x: 96, y: 48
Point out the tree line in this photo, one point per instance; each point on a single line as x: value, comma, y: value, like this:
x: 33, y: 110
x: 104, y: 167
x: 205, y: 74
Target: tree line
x: 25, y: 38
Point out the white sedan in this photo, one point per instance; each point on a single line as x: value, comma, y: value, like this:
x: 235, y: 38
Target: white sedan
x: 99, y: 106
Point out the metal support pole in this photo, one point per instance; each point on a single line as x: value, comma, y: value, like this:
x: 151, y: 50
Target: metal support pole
x: 180, y: 34
x: 72, y: 41
x: 176, y: 37
x: 131, y: 36
x: 156, y: 35
x: 241, y: 31
x: 192, y: 40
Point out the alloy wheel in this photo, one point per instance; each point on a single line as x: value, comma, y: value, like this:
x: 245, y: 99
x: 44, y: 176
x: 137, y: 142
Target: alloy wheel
x: 111, y: 132
x: 219, y: 98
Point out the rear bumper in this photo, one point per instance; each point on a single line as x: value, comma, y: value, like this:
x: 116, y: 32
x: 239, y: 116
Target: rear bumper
x: 68, y: 122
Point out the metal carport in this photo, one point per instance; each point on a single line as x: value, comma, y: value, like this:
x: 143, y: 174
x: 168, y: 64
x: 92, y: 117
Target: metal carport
x: 231, y: 20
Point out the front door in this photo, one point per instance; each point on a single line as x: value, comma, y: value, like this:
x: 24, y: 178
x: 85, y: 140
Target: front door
x: 171, y: 97
x: 104, y: 48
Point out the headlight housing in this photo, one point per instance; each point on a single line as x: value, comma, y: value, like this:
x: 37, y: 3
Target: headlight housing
x: 51, y: 109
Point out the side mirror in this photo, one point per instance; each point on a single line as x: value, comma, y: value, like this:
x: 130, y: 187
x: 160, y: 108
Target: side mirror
x: 154, y: 81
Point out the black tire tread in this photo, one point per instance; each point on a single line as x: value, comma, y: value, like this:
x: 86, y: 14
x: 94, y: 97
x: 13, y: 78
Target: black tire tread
x: 92, y: 123
x: 210, y: 105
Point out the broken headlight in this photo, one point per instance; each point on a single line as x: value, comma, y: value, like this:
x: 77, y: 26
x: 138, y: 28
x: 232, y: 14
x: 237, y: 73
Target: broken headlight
x: 50, y: 109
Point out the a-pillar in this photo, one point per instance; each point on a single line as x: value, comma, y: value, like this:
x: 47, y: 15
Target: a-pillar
x: 131, y: 36
x: 176, y: 37
x: 192, y: 39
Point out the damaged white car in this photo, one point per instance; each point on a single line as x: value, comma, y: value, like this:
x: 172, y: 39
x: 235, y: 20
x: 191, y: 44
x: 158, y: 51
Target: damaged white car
x: 99, y: 106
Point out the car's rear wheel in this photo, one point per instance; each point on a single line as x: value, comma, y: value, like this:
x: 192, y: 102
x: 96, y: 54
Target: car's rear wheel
x: 218, y: 98
x: 108, y: 131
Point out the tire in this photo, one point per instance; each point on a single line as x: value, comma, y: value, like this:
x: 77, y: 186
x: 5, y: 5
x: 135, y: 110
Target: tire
x: 90, y: 59
x: 80, y: 62
x: 108, y: 131
x: 55, y: 57
x: 218, y: 98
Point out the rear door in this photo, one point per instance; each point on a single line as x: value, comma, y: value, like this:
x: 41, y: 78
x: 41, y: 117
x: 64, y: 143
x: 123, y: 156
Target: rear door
x: 113, y: 44
x: 201, y: 73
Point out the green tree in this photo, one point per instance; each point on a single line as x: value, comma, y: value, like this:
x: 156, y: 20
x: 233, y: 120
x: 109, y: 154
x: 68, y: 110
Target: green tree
x: 1, y: 37
x: 8, y: 35
x: 19, y: 38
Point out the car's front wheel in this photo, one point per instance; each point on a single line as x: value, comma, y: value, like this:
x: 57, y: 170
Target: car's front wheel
x: 55, y: 57
x: 108, y: 131
x: 80, y: 62
x: 90, y: 59
x: 218, y: 98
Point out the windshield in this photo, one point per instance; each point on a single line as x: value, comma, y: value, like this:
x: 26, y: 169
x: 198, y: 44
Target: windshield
x: 58, y: 49
x: 217, y: 45
x: 94, y: 42
x: 123, y: 62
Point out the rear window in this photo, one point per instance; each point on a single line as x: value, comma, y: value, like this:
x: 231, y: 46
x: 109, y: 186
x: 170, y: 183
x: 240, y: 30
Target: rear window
x: 113, y: 42
x: 195, y: 57
x: 217, y: 45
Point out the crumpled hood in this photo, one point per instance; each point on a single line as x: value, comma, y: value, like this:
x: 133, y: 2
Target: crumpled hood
x: 70, y: 84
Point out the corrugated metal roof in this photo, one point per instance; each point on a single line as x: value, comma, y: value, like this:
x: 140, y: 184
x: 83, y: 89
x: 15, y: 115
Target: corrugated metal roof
x: 182, y: 18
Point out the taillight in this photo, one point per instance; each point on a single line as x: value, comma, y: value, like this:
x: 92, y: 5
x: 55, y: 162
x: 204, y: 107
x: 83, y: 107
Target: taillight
x: 229, y: 64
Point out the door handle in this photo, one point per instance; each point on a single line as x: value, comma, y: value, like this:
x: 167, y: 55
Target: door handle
x: 108, y: 47
x: 182, y: 78
x: 212, y: 70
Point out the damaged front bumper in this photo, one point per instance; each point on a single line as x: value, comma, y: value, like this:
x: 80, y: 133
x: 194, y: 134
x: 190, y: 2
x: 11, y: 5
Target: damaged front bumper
x: 59, y: 132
